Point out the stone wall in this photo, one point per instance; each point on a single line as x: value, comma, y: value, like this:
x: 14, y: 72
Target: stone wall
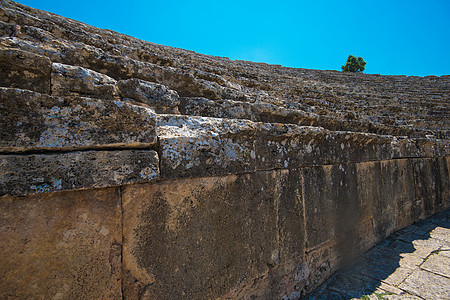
x: 139, y: 171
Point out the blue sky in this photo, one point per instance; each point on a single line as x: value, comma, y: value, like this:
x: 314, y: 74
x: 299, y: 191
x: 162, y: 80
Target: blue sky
x: 394, y: 37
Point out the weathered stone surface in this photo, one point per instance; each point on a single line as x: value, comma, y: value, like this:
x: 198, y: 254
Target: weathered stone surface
x: 272, y: 209
x: 427, y: 285
x: 259, y: 112
x: 320, y: 206
x: 61, y: 246
x: 39, y: 173
x: 228, y: 109
x: 213, y: 236
x: 331, y: 211
x: 398, y: 183
x: 425, y: 187
x: 338, y: 101
x: 77, y: 81
x: 32, y: 121
x: 437, y: 263
x: 397, y: 269
x: 24, y: 70
x: 7, y: 29
x: 195, y: 146
x: 157, y: 96
x: 201, y: 146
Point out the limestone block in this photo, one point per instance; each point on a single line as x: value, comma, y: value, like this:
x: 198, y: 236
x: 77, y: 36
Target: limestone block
x: 225, y: 146
x: 24, y: 70
x: 197, y: 146
x: 320, y: 263
x: 438, y: 264
x: 427, y: 178
x: 368, y: 176
x: 397, y: 192
x: 40, y: 173
x: 32, y: 121
x: 259, y: 112
x: 207, y: 233
x: 290, y: 216
x: 270, y: 113
x: 227, y: 109
x: 427, y: 285
x: 74, y: 80
x: 331, y: 211
x: 155, y: 95
x: 442, y: 179
x: 285, y: 145
x: 61, y: 246
x: 7, y: 29
x: 320, y: 207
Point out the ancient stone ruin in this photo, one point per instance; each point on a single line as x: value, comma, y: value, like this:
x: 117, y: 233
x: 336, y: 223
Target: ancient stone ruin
x: 138, y: 171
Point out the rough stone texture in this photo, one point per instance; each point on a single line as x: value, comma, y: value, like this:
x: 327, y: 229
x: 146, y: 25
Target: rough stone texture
x: 61, y: 246
x: 202, y: 146
x: 271, y: 179
x: 157, y: 96
x: 409, y: 264
x: 427, y: 286
x: 431, y: 183
x: 438, y: 263
x: 216, y: 242
x: 39, y: 173
x: 32, y: 121
x: 191, y: 222
x: 78, y: 81
x: 24, y: 70
x: 335, y: 100
x: 205, y: 146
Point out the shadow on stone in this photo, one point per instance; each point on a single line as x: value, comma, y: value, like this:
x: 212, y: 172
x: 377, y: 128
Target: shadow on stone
x: 387, y: 268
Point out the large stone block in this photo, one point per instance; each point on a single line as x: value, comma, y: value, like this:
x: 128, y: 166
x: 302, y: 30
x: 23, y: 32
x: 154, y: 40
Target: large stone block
x: 32, y: 121
x: 210, y: 234
x: 287, y: 146
x: 78, y: 81
x: 201, y: 146
x: 343, y: 190
x: 398, y: 192
x: 259, y: 112
x: 426, y: 178
x: 24, y: 70
x: 290, y: 216
x: 442, y: 179
x: 291, y: 274
x: 7, y: 29
x: 320, y: 207
x: 332, y: 211
x: 368, y: 176
x: 197, y: 146
x: 61, y: 246
x: 157, y: 96
x: 204, y: 107
x: 40, y: 173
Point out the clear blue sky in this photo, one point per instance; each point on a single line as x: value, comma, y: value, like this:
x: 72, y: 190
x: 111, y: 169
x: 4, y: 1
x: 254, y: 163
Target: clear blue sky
x: 394, y: 37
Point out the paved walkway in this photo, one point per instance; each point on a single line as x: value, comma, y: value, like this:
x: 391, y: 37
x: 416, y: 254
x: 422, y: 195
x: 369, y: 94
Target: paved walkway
x: 413, y: 263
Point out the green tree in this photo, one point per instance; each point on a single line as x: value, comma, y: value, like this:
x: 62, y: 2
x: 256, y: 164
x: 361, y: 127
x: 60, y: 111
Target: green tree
x: 354, y: 64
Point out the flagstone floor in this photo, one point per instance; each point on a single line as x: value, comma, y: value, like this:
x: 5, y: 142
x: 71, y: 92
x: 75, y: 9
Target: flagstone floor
x: 413, y: 263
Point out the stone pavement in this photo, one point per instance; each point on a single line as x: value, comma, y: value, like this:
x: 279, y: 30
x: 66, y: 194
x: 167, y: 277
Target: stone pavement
x: 413, y: 263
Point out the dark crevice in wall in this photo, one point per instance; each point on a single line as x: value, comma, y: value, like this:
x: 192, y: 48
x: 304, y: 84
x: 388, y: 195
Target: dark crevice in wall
x: 303, y: 207
x: 122, y: 242
x: 86, y: 149
x: 163, y: 178
x: 157, y: 148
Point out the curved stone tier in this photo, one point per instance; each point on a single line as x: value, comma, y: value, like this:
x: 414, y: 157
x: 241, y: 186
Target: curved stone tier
x: 140, y: 171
